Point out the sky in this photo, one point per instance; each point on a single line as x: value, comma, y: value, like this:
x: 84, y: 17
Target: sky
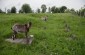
x: 7, y: 4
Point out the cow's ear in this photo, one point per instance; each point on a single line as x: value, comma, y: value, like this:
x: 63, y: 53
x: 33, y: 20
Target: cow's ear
x: 25, y: 24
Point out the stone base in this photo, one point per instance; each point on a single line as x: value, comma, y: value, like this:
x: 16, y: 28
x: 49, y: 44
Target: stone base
x: 21, y: 41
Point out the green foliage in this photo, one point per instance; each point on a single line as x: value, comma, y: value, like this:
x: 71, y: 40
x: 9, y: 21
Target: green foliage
x: 53, y: 9
x: 1, y: 11
x: 83, y: 12
x: 50, y: 41
x: 73, y: 10
x: 49, y: 10
x: 38, y: 10
x: 26, y: 8
x: 67, y: 11
x: 13, y: 10
x: 8, y: 11
x: 62, y: 9
x: 43, y: 7
x: 57, y: 10
x: 20, y: 11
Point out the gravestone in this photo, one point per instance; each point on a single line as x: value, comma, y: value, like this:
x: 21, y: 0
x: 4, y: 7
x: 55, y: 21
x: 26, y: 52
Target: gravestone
x: 28, y: 40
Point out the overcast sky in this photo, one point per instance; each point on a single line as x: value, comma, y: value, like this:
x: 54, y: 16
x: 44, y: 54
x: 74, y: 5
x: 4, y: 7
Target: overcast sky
x: 76, y: 4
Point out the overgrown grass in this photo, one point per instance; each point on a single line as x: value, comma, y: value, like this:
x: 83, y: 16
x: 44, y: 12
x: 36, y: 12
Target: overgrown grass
x: 53, y: 40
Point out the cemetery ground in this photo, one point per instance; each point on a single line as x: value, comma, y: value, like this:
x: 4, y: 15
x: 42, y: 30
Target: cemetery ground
x: 61, y: 34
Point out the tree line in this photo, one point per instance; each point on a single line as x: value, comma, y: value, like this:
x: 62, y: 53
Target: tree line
x: 80, y: 12
x: 25, y: 8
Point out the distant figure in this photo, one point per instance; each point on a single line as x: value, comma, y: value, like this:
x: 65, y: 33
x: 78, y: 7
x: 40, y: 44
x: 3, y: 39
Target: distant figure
x: 44, y: 18
x: 21, y: 28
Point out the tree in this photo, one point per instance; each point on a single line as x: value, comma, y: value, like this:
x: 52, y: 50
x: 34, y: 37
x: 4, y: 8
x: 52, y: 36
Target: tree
x: 62, y: 9
x: 26, y: 8
x: 1, y: 11
x: 13, y: 9
x: 56, y: 10
x: 67, y: 11
x: 43, y: 7
x: 20, y: 11
x: 38, y: 10
x: 8, y: 11
x: 72, y: 10
x: 53, y: 9
x: 83, y: 12
x: 49, y: 10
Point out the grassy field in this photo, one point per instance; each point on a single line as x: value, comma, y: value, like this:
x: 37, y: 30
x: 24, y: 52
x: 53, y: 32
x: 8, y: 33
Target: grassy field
x: 56, y: 39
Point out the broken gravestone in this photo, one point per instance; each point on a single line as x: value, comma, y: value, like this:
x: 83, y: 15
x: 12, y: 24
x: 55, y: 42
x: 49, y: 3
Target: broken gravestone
x: 28, y: 40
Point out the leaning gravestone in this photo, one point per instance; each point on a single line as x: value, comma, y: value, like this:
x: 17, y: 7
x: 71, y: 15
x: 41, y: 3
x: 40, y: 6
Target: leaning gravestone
x: 28, y: 40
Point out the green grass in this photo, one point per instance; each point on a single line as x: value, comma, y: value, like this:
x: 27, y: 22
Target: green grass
x: 53, y: 40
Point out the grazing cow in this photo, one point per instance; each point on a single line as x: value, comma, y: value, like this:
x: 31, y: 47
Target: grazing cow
x: 22, y: 28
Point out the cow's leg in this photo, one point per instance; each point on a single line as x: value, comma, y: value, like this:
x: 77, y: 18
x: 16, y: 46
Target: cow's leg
x: 14, y: 35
